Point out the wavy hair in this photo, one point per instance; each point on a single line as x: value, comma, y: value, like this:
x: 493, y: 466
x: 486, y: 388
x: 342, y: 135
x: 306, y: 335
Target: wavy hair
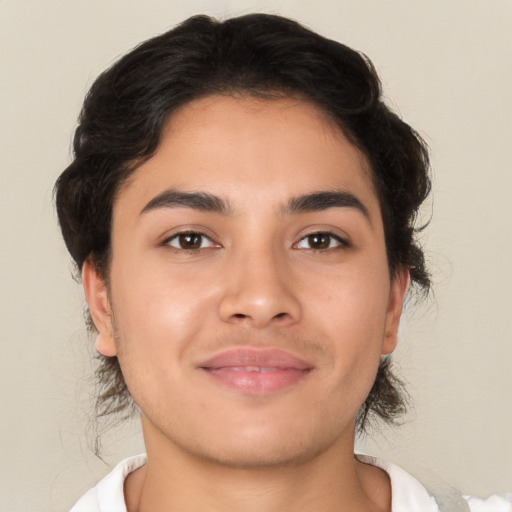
x: 262, y: 55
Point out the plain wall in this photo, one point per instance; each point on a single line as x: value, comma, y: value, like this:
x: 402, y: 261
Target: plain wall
x: 445, y: 66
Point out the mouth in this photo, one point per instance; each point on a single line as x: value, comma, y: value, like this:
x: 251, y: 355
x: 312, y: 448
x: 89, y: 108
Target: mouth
x: 256, y: 371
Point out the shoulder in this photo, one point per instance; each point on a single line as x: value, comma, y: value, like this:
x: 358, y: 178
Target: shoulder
x: 494, y: 503
x: 408, y: 493
x: 432, y: 494
x: 108, y: 495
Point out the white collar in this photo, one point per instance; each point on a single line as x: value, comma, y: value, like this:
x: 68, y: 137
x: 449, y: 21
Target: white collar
x: 407, y: 493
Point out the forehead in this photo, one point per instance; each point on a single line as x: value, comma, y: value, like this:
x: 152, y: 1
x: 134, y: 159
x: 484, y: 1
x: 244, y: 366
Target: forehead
x: 249, y: 149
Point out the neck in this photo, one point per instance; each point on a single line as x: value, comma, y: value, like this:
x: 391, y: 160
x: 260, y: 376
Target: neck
x: 331, y: 481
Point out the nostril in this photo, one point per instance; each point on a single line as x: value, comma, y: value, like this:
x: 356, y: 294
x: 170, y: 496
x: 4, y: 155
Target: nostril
x: 280, y: 315
x: 239, y: 315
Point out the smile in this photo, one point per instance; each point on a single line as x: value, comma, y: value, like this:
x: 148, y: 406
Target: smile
x: 256, y: 371
x: 252, y: 369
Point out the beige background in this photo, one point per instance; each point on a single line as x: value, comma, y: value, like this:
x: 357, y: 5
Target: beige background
x: 445, y: 64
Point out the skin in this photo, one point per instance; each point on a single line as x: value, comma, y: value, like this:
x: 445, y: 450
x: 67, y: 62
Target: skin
x: 255, y: 279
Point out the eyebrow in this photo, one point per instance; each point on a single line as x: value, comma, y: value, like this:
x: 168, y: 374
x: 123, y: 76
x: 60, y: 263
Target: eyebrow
x: 203, y: 201
x: 196, y: 200
x: 323, y: 200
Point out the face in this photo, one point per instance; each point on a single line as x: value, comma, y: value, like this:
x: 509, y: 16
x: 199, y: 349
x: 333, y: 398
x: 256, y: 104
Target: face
x: 249, y: 296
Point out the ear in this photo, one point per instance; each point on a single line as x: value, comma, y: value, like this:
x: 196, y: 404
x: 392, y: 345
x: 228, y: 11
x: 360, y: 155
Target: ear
x: 397, y: 293
x: 96, y: 294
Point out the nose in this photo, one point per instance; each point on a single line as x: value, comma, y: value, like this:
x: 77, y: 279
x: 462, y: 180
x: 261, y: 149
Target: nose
x: 258, y: 291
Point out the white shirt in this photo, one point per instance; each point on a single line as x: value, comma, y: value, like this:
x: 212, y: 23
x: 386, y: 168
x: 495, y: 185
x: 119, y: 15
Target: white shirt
x: 407, y: 494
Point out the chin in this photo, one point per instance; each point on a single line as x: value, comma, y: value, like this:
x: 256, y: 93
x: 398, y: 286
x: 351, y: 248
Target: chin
x: 259, y: 447
x: 259, y: 456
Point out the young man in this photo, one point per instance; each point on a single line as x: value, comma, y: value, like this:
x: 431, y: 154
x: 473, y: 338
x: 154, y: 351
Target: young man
x: 241, y: 208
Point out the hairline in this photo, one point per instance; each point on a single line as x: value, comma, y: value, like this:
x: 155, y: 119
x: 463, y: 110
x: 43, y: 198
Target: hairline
x: 128, y: 169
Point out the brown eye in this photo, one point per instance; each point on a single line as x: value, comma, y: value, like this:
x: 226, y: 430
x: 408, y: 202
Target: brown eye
x: 321, y: 241
x: 190, y: 241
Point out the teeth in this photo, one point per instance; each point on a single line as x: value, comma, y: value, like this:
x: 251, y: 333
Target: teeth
x: 252, y: 369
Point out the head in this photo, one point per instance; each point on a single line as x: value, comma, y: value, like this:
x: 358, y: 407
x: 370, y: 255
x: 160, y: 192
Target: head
x: 260, y: 57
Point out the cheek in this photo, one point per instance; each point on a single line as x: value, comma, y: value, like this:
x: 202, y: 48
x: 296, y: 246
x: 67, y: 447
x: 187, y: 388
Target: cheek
x: 353, y: 309
x: 151, y: 293
x: 158, y: 317
x: 354, y: 300
x: 156, y: 323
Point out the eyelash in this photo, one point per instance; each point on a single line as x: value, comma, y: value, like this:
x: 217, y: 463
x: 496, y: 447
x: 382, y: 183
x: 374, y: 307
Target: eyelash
x: 182, y: 234
x: 331, y: 237
x: 341, y: 242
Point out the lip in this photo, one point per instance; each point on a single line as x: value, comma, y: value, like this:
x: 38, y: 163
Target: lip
x: 256, y: 371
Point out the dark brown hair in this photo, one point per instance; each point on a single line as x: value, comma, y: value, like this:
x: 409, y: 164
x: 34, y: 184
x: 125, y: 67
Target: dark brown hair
x: 262, y: 55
